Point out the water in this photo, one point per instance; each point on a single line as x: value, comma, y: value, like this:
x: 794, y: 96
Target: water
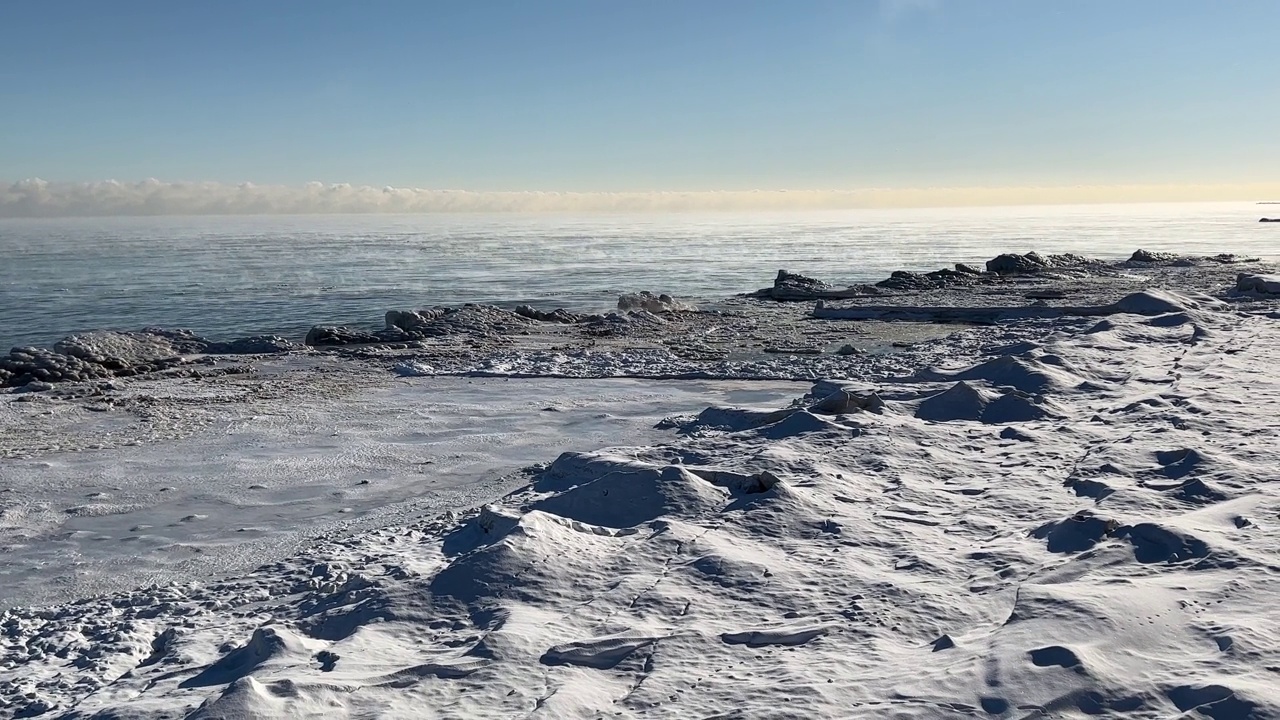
x: 233, y: 276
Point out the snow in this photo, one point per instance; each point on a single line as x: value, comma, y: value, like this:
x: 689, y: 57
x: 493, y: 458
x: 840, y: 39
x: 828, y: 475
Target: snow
x: 221, y: 476
x: 1103, y: 543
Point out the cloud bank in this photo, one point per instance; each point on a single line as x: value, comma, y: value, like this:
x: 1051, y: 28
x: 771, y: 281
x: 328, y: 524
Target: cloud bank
x: 39, y: 198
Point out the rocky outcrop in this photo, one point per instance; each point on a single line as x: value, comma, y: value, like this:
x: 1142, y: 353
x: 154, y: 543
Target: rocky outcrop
x: 1033, y: 262
x: 1229, y: 259
x: 789, y: 286
x: 108, y: 353
x: 119, y: 350
x: 470, y: 319
x: 905, y: 280
x: 338, y: 335
x: 648, y: 302
x: 28, y: 364
x: 413, y: 325
x: 1146, y: 256
x: 798, y: 282
x: 254, y: 345
x: 559, y: 315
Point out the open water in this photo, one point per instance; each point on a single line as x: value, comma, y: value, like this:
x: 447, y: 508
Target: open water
x: 232, y: 276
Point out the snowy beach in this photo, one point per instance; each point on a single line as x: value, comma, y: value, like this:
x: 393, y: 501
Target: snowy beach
x: 1041, y: 493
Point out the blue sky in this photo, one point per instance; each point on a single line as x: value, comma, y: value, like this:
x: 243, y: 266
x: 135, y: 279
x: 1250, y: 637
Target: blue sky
x: 603, y: 95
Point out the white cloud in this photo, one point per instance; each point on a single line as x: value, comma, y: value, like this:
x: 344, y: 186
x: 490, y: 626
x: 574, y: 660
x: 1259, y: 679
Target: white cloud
x: 38, y: 198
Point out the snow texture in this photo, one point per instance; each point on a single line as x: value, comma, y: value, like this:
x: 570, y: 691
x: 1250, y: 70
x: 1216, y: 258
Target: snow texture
x: 1083, y: 523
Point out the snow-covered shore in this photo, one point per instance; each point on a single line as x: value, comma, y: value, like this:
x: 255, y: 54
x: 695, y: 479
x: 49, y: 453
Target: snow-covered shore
x: 1063, y: 517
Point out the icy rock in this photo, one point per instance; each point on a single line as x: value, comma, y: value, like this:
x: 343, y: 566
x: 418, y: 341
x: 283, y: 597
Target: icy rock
x: 1262, y: 284
x: 1033, y: 262
x: 412, y: 321
x: 334, y: 335
x: 470, y: 319
x: 648, y: 302
x: 1146, y: 256
x: 27, y: 364
x: 254, y: 345
x: 559, y: 315
x: 119, y: 350
x: 796, y: 280
x: 413, y: 368
x: 904, y: 280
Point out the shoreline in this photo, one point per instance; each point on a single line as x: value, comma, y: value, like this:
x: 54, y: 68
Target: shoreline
x: 728, y: 340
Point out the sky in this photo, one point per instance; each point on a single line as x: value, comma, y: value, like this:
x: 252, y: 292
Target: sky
x: 592, y: 96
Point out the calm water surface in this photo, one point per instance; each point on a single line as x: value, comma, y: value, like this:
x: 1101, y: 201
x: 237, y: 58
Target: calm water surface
x: 231, y: 276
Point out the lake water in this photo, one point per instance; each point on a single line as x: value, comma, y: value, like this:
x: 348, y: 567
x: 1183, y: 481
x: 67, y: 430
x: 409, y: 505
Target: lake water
x: 233, y: 276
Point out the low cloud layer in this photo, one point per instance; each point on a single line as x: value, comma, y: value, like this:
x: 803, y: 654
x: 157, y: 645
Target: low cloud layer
x: 38, y: 198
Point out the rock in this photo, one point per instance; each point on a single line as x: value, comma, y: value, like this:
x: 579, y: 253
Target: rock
x: 1146, y: 256
x: 35, y: 386
x: 1230, y: 259
x: 255, y: 345
x: 184, y: 342
x: 1261, y: 284
x: 905, y: 280
x: 796, y: 280
x: 1275, y: 220
x: 791, y: 287
x: 412, y: 325
x: 559, y: 315
x: 470, y: 319
x: 967, y: 269
x: 120, y: 350
x: 412, y: 321
x: 1033, y: 262
x: 648, y: 302
x: 322, y: 335
x: 26, y: 364
x: 1009, y: 263
x: 848, y: 350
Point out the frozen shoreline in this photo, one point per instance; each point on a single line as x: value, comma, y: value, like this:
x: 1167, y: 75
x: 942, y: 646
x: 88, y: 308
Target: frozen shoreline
x: 1066, y: 516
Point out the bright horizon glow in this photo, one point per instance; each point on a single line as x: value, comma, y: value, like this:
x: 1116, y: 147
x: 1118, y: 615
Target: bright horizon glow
x: 38, y: 198
x: 665, y: 103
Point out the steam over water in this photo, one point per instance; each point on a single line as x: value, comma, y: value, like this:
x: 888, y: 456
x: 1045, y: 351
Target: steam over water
x: 234, y: 276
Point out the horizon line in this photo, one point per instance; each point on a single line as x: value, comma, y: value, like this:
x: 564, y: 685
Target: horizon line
x: 151, y: 197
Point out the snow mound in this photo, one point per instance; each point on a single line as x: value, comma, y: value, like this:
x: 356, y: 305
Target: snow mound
x: 963, y: 401
x: 1161, y: 302
x: 615, y: 497
x: 1023, y: 373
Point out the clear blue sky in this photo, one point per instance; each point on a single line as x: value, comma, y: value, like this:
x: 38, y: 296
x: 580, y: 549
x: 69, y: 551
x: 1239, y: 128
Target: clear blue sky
x: 641, y: 95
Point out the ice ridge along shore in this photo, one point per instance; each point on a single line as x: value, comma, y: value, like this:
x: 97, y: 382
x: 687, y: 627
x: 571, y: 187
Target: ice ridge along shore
x: 1063, y: 517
